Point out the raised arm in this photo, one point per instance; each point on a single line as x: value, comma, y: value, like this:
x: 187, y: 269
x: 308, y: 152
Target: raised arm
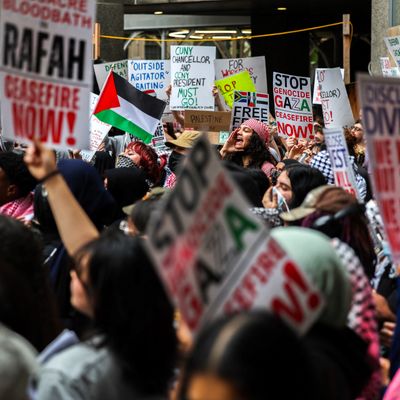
x: 75, y: 227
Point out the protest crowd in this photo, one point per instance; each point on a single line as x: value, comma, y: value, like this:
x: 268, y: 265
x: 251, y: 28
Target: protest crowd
x: 175, y: 232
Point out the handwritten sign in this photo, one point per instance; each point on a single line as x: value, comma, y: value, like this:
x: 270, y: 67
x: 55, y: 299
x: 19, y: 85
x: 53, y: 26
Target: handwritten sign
x: 150, y: 76
x: 98, y: 129
x: 342, y: 168
x: 240, y: 81
x: 213, y: 121
x: 101, y: 70
x: 317, y: 91
x: 46, y: 71
x: 393, y: 45
x: 293, y: 108
x: 387, y: 69
x: 336, y: 107
x: 254, y: 65
x: 192, y: 77
x: 380, y: 100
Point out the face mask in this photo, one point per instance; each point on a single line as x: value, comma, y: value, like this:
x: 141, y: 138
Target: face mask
x: 282, y: 205
x: 174, y: 160
x: 124, y: 162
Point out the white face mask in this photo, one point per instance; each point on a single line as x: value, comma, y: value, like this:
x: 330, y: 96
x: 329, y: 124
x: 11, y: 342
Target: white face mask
x: 281, y: 200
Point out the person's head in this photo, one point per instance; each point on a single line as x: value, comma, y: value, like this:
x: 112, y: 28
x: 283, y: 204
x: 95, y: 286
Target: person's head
x: 115, y: 283
x: 357, y: 131
x: 31, y: 305
x: 145, y: 157
x: 248, y: 130
x: 318, y: 133
x: 287, y: 163
x: 295, y: 182
x: 316, y: 257
x: 15, y: 179
x: 248, y: 356
x: 337, y: 214
x: 126, y: 185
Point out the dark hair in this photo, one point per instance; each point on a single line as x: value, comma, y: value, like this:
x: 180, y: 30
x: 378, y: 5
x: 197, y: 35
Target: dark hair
x: 17, y: 172
x: 132, y: 310
x: 351, y: 142
x: 21, y: 249
x: 255, y: 353
x: 141, y: 213
x: 258, y: 151
x: 303, y: 179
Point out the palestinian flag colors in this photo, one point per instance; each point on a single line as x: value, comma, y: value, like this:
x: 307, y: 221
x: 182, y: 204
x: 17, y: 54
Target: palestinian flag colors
x: 121, y: 105
x: 251, y: 99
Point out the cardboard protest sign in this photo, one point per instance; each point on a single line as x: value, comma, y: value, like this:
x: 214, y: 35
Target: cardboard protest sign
x: 158, y: 141
x: 205, y: 243
x: 342, y: 168
x: 387, y: 69
x: 336, y: 107
x: 151, y: 76
x: 192, y: 77
x: 380, y: 100
x: 393, y: 46
x: 269, y: 279
x: 317, y: 91
x: 46, y: 71
x: 254, y: 65
x: 293, y: 108
x: 249, y: 105
x: 101, y: 70
x: 240, y: 81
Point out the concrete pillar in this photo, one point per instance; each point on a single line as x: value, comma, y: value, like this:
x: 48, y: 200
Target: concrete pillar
x: 380, y: 22
x: 110, y: 15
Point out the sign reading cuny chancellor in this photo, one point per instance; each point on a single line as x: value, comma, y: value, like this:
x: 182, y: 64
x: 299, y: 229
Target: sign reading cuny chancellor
x: 293, y: 108
x: 46, y: 71
x: 192, y: 77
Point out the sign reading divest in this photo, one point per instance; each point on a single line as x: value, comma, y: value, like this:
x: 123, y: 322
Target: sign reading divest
x: 293, y: 108
x: 204, y: 241
x: 340, y: 161
x: 380, y: 100
x: 335, y: 103
x: 101, y: 70
x: 46, y: 71
x: 254, y: 65
x: 249, y: 105
x: 192, y: 77
x: 150, y: 76
x: 240, y: 81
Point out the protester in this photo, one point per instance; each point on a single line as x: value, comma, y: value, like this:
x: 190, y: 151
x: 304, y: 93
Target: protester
x: 16, y: 185
x: 250, y: 357
x: 247, y: 146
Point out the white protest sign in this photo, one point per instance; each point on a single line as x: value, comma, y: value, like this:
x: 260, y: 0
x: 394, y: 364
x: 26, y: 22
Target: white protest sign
x: 46, y: 71
x: 248, y: 105
x: 380, y: 101
x: 393, y: 45
x: 101, y: 70
x: 192, y: 77
x: 336, y: 107
x: 158, y: 141
x: 293, y: 108
x: 269, y: 279
x: 98, y: 129
x: 317, y: 92
x: 255, y: 65
x: 342, y: 168
x: 205, y: 241
x: 387, y: 69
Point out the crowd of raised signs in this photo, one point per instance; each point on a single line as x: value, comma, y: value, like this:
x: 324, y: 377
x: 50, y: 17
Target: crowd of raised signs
x: 88, y: 313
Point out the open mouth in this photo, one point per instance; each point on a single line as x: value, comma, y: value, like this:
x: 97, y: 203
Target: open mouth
x: 239, y: 139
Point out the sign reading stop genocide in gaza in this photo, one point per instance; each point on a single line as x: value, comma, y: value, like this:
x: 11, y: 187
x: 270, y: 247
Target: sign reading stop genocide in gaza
x: 46, y: 70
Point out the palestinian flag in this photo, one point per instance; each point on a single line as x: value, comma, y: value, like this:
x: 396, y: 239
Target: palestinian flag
x: 121, y: 105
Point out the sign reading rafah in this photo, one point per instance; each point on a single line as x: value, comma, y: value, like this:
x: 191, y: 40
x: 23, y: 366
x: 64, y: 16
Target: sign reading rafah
x: 214, y: 256
x: 293, y: 108
x: 46, y: 71
x: 192, y: 77
x: 380, y: 100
